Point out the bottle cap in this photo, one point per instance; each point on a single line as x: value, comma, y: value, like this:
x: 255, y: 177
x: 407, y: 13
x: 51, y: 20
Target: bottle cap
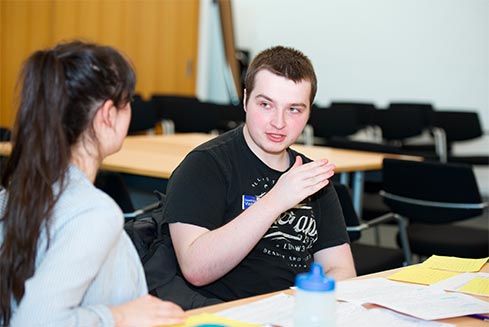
x: 315, y: 280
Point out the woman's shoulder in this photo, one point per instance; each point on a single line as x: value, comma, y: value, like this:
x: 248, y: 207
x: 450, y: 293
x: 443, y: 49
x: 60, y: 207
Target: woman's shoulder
x: 80, y: 199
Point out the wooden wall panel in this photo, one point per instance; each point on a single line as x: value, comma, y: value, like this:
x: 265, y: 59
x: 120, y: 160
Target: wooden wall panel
x: 160, y: 38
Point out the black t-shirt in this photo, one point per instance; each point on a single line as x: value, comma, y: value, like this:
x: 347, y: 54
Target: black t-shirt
x: 221, y: 178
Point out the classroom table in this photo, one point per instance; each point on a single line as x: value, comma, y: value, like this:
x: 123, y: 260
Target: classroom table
x: 458, y: 321
x: 158, y: 155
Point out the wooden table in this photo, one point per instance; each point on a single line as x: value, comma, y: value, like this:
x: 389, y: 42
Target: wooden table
x: 158, y: 155
x: 458, y: 321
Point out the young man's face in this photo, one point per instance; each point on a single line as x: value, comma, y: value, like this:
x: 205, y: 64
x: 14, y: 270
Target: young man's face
x: 276, y: 112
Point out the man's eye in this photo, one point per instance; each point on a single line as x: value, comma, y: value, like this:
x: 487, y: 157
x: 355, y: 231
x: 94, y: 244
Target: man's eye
x: 265, y: 105
x: 294, y: 110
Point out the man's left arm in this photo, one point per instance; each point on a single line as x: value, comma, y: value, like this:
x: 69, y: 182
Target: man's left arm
x: 337, y: 261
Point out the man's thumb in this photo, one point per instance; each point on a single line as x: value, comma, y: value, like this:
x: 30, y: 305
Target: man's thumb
x: 298, y: 162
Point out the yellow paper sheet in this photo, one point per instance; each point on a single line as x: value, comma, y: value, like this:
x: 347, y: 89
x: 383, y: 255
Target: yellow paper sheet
x: 208, y: 318
x: 421, y: 275
x: 454, y: 263
x: 477, y: 286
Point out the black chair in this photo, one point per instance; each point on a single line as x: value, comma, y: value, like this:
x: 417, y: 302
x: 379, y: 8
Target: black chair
x: 114, y: 185
x: 399, y: 123
x: 5, y: 134
x: 405, y: 125
x: 333, y: 122
x: 228, y: 116
x: 143, y: 117
x: 187, y: 114
x: 365, y: 114
x: 370, y: 258
x: 460, y: 126
x: 373, y: 204
x: 425, y: 107
x: 433, y: 196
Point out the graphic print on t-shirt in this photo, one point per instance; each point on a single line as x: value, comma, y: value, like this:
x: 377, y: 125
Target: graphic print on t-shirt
x: 293, y: 233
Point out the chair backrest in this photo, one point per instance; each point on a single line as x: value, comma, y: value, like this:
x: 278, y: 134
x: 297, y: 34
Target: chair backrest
x: 398, y: 124
x: 426, y: 109
x: 458, y: 125
x: 228, y: 116
x: 5, y: 134
x: 114, y: 185
x: 143, y: 116
x: 342, y: 143
x: 349, y: 213
x: 189, y: 114
x: 365, y: 111
x: 431, y: 192
x: 329, y: 122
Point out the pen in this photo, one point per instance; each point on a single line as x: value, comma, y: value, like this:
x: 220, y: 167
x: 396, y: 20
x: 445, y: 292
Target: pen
x: 481, y: 317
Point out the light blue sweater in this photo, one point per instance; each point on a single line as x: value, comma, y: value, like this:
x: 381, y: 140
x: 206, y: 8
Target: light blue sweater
x: 90, y: 263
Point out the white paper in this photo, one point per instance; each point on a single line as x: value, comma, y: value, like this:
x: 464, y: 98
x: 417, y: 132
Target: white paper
x: 278, y: 310
x: 391, y: 318
x: 456, y: 282
x: 416, y: 300
x: 350, y: 314
x: 275, y: 310
x: 433, y: 304
x: 365, y: 290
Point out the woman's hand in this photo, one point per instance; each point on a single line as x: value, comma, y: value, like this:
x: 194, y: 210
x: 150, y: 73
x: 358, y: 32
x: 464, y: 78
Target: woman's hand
x: 147, y: 311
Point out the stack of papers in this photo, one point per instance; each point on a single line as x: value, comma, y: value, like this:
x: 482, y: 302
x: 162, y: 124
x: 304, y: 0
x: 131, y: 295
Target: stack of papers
x: 421, y: 275
x: 470, y: 283
x: 454, y: 263
x: 418, y: 301
x: 448, y: 273
x: 418, y: 292
x: 278, y: 310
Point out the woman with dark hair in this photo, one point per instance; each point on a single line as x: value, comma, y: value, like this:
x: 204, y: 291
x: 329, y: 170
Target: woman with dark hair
x: 64, y: 258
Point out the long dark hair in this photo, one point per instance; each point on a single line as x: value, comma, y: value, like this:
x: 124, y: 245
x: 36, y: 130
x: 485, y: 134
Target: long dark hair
x: 61, y: 89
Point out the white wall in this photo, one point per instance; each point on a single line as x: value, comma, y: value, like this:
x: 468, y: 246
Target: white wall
x: 381, y: 50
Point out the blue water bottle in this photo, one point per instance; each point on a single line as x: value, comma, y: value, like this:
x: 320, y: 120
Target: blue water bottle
x: 315, y: 302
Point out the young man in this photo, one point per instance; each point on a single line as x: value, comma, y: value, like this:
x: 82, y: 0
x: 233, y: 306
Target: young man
x: 247, y: 213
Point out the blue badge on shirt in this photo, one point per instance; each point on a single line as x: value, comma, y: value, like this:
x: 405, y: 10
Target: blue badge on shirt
x: 247, y: 201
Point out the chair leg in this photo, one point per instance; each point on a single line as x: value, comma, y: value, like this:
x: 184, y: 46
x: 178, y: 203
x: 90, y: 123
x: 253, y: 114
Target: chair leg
x: 377, y: 235
x: 401, y: 222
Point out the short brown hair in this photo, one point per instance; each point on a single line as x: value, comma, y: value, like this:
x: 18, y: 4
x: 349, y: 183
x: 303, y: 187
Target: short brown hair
x: 283, y: 61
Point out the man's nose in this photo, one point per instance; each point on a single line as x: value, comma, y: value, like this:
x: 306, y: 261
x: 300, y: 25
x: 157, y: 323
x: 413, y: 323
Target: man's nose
x: 278, y: 120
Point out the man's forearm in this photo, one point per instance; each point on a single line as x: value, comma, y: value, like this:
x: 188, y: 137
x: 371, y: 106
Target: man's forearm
x: 205, y: 256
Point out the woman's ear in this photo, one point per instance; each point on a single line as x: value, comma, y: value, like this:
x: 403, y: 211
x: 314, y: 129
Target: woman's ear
x: 105, y: 116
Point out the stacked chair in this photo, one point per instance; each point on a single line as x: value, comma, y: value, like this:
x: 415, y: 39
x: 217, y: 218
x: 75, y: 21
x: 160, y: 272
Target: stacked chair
x: 401, y: 123
x: 459, y: 127
x: 144, y: 118
x: 329, y: 122
x: 365, y: 114
x: 187, y: 114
